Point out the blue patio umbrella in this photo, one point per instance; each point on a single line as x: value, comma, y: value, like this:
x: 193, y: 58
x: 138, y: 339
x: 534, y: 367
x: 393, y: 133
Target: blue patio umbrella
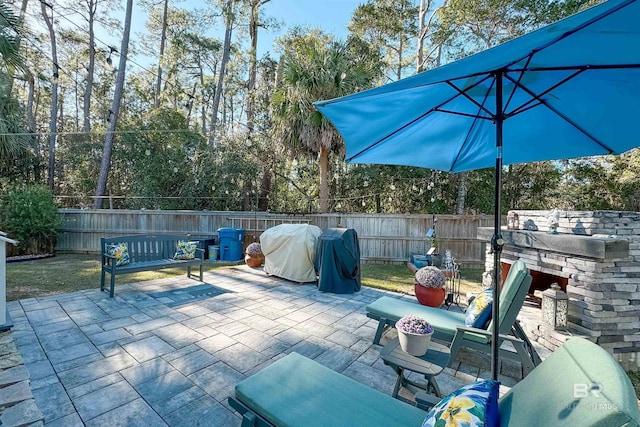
x: 570, y: 89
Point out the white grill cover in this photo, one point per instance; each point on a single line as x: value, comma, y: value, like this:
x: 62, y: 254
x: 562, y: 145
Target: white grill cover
x: 289, y: 251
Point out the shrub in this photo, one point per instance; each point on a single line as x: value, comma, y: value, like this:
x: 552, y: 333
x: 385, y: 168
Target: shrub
x: 30, y: 216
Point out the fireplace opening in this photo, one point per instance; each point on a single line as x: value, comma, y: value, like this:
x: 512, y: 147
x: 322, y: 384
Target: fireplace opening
x: 540, y: 282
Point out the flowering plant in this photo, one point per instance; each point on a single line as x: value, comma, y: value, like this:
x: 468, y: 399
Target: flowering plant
x: 430, y: 277
x: 254, y: 249
x: 413, y: 324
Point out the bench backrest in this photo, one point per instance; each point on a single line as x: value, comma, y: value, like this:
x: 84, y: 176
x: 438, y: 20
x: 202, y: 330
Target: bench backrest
x: 579, y: 384
x: 146, y: 247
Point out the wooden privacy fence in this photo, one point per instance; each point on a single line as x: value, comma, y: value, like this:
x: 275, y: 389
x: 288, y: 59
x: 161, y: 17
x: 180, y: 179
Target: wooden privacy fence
x: 383, y: 237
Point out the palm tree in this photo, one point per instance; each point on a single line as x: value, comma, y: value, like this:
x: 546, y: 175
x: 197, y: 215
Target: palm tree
x: 11, y: 114
x: 9, y: 39
x: 314, y: 67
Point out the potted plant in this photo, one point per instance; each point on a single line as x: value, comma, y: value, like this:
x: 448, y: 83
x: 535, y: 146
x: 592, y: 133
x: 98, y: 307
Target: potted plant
x: 429, y: 286
x: 254, y: 257
x: 414, y: 334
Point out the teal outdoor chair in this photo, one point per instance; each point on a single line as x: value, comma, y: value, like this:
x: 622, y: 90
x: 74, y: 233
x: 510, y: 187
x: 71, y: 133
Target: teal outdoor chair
x: 450, y: 326
x: 580, y: 384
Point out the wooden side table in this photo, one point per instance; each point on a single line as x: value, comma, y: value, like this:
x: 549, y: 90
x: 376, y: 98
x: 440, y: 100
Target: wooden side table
x: 429, y: 365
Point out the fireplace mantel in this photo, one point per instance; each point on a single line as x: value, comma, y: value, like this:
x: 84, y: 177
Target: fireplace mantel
x: 571, y: 244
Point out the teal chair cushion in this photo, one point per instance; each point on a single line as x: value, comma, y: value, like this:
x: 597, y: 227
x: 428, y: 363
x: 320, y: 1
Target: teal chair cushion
x: 296, y: 391
x: 579, y: 384
x: 479, y: 311
x: 509, y: 292
x: 474, y: 405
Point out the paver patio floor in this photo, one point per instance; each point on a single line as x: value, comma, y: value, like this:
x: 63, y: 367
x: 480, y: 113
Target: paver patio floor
x: 170, y: 351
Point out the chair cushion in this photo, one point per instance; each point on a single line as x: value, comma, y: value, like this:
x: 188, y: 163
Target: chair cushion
x: 185, y: 250
x: 509, y: 289
x: 296, y: 391
x: 579, y: 384
x: 120, y: 252
x: 475, y: 404
x: 479, y: 311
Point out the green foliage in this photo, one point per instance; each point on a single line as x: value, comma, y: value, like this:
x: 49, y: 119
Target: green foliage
x: 30, y: 216
x: 390, y: 28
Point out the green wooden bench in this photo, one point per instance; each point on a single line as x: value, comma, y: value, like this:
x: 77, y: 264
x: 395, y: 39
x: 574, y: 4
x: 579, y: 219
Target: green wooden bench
x: 146, y: 252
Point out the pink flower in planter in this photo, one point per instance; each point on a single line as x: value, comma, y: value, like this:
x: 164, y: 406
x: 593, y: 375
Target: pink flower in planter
x: 413, y: 324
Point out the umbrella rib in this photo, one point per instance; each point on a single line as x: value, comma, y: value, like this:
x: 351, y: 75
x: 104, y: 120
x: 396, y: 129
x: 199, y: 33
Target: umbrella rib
x: 537, y: 97
x: 568, y: 120
x: 477, y: 116
x: 464, y: 93
x: 578, y: 67
x: 575, y: 30
x: 517, y: 84
x: 458, y: 113
x: 421, y: 116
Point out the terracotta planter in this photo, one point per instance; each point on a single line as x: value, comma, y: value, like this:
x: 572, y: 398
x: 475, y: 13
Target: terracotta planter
x: 254, y: 261
x: 433, y: 297
x: 414, y: 344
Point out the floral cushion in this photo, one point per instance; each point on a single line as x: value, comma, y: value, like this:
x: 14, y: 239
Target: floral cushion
x: 475, y: 404
x: 185, y: 250
x: 479, y: 311
x: 120, y: 252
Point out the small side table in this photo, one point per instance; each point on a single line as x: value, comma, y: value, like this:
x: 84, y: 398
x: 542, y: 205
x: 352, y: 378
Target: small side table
x: 429, y: 365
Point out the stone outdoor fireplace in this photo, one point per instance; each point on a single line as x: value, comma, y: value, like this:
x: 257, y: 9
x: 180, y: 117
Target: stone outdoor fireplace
x: 595, y: 258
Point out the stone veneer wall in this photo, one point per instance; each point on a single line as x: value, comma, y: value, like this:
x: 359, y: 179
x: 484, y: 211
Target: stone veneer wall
x: 604, y: 295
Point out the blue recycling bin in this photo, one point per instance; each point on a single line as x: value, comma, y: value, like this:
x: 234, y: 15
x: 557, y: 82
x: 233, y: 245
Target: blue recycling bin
x: 230, y: 243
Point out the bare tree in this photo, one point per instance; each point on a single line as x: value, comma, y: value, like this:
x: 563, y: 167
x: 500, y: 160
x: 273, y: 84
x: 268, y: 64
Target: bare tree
x: 54, y: 96
x: 425, y: 20
x: 254, y: 23
x: 163, y: 40
x: 86, y: 107
x: 114, y: 111
x: 229, y: 18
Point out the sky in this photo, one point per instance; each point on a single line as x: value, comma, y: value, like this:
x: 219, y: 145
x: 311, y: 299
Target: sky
x: 330, y: 15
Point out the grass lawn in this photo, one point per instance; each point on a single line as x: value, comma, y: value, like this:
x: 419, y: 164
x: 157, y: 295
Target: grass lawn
x: 73, y: 272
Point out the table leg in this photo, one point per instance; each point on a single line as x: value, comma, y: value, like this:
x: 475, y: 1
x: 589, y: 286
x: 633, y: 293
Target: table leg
x: 399, y: 382
x: 432, y: 384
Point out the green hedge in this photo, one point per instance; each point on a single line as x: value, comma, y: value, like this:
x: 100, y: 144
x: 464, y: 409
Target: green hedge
x: 30, y: 216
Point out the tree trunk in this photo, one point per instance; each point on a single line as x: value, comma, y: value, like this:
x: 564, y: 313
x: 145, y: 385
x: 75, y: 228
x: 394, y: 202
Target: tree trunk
x: 253, y: 62
x: 54, y: 99
x: 422, y: 32
x: 31, y: 122
x: 223, y: 65
x: 163, y: 38
x: 115, y: 109
x: 265, y: 182
x: 324, y: 179
x: 91, y: 6
x: 462, y: 192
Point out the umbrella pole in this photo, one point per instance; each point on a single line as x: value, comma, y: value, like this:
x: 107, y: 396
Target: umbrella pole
x: 497, y: 241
